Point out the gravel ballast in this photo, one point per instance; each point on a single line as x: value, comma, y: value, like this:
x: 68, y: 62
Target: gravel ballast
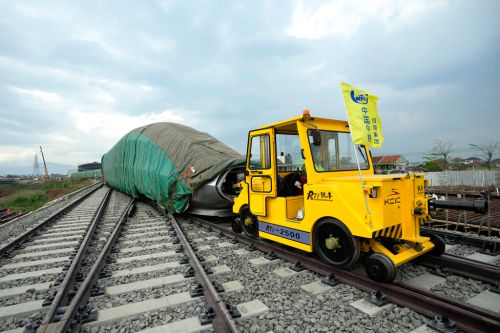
x: 291, y: 309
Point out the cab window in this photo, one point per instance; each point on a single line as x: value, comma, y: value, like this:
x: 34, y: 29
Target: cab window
x: 260, y: 154
x: 336, y: 152
x: 288, y: 150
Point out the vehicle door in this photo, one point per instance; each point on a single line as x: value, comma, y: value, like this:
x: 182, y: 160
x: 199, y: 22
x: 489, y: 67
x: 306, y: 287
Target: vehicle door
x: 261, y: 169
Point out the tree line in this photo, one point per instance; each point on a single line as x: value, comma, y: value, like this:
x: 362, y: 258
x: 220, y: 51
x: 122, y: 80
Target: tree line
x: 439, y: 157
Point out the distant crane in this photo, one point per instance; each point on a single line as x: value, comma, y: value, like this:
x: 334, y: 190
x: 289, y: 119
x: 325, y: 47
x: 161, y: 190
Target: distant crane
x: 46, y: 173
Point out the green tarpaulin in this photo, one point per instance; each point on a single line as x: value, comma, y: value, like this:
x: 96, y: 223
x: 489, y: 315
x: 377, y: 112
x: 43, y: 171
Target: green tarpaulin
x: 166, y: 162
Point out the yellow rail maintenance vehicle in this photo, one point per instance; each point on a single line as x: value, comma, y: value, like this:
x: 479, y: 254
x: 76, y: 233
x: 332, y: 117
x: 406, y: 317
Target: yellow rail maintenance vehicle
x: 303, y: 188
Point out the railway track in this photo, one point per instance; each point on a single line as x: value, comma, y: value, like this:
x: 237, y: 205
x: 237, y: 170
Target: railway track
x: 11, y: 216
x: 452, y: 264
x: 63, y: 314
x: 36, y: 260
x: 489, y: 245
x: 126, y: 265
x: 13, y: 228
x: 466, y: 316
x: 139, y: 276
x: 135, y: 273
x: 109, y: 265
x: 222, y: 321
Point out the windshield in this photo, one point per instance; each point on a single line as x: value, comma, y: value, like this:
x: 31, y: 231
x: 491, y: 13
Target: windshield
x: 336, y: 152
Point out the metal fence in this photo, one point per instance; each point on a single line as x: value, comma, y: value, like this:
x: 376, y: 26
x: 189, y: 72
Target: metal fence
x: 460, y: 178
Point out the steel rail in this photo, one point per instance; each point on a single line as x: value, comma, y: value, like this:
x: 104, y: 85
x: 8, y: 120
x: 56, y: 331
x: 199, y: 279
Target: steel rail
x: 223, y: 321
x: 466, y: 316
x: 68, y: 283
x: 469, y: 225
x: 66, y: 322
x: 467, y: 239
x: 11, y: 216
x: 4, y: 250
x: 463, y: 266
x: 98, y: 184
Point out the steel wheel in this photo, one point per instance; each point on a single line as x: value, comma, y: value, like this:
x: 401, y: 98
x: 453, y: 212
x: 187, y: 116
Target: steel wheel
x: 380, y: 267
x: 236, y: 225
x: 335, y: 244
x: 439, y: 245
x: 249, y: 223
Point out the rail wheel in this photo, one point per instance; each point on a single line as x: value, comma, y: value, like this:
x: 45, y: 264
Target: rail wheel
x: 439, y: 245
x: 249, y: 223
x: 236, y: 226
x: 335, y: 244
x: 380, y: 267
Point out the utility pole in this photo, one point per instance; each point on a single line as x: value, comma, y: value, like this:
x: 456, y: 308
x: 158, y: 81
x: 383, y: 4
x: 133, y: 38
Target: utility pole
x: 46, y: 175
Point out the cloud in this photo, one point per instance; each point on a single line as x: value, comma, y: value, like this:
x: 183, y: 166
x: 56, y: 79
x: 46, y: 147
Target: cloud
x: 97, y: 38
x: 32, y: 11
x: 412, y: 94
x: 88, y: 135
x: 314, y: 68
x: 342, y: 19
x: 10, y: 153
x: 114, y: 125
x: 75, y: 78
x: 37, y: 95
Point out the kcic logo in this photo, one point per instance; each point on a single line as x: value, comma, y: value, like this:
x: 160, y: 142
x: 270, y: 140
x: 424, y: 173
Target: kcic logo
x: 391, y: 199
x: 360, y: 99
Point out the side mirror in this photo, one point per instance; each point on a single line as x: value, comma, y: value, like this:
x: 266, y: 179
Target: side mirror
x: 316, y: 135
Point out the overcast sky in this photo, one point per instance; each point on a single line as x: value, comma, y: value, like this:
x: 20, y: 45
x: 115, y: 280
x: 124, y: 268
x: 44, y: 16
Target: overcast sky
x: 75, y: 76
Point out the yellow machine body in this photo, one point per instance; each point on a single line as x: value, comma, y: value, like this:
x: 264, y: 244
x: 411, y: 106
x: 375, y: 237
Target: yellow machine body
x: 373, y: 207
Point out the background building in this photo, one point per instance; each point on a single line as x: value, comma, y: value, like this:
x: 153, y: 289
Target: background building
x: 390, y: 162
x: 89, y: 166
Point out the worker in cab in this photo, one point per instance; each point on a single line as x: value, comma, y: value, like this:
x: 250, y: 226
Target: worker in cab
x: 318, y: 161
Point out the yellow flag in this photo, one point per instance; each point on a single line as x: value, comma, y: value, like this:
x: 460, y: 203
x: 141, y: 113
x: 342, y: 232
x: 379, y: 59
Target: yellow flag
x: 365, y: 124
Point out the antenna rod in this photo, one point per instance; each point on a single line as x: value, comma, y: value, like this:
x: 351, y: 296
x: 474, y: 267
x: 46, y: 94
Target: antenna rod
x: 44, y: 164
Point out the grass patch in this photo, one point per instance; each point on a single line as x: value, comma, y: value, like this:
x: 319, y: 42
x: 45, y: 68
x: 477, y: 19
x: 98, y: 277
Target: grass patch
x: 27, y: 200
x: 31, y: 195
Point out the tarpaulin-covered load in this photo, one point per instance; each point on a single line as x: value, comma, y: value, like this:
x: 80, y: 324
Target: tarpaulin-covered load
x: 166, y: 162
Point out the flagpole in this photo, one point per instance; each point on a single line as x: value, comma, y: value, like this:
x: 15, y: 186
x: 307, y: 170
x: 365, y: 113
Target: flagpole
x: 359, y: 168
